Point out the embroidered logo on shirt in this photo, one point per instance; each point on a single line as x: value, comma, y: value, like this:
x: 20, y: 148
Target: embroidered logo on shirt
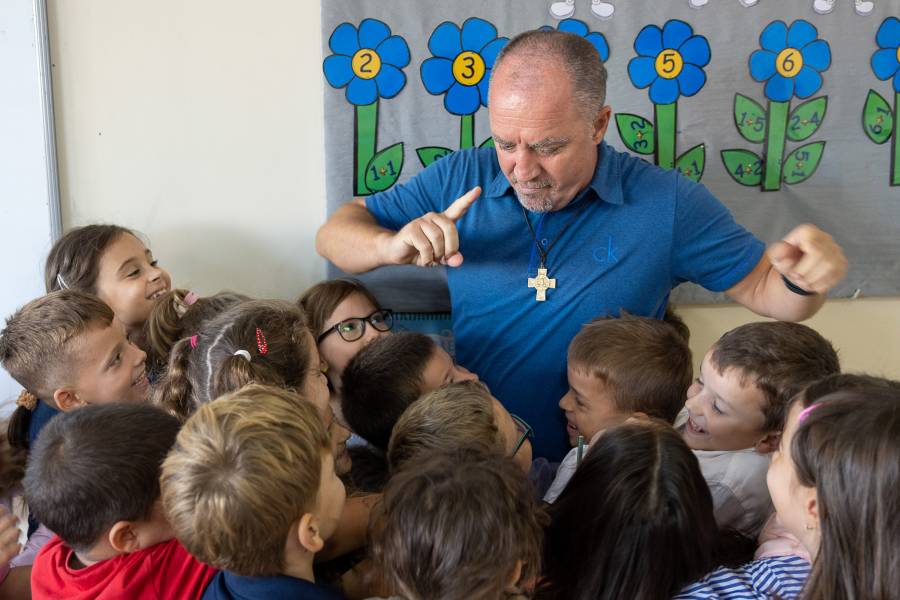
x: 608, y: 254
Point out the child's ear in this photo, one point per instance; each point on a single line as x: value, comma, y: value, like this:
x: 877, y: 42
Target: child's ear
x: 769, y: 443
x: 812, y: 510
x: 513, y: 583
x: 123, y: 537
x: 308, y: 533
x: 66, y: 399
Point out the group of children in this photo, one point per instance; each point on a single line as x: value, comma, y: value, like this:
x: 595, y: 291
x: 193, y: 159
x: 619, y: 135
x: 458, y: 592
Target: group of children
x: 168, y: 445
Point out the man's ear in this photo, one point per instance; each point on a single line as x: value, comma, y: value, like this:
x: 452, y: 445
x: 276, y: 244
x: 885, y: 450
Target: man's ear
x: 308, y: 533
x: 66, y: 399
x: 124, y: 538
x: 601, y: 123
x: 768, y: 443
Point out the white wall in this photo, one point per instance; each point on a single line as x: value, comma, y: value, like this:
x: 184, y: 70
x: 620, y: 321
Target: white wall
x: 24, y: 179
x: 200, y: 123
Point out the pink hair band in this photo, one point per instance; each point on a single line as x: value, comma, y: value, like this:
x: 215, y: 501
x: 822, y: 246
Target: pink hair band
x: 194, y: 339
x: 190, y: 298
x: 805, y: 412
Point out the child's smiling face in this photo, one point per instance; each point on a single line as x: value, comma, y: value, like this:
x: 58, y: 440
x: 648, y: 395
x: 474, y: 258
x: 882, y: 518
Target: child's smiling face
x: 589, y: 405
x: 129, y: 280
x: 724, y: 412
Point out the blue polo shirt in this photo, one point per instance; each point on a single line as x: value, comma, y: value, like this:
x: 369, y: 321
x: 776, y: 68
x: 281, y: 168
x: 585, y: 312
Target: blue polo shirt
x: 628, y: 239
x: 228, y: 586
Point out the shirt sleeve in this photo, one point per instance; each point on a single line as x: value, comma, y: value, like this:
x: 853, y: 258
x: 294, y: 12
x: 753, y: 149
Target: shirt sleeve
x: 709, y: 248
x: 430, y: 190
x: 563, y: 475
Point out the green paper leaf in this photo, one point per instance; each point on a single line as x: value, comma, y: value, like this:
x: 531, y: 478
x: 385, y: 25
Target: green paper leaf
x: 878, y: 120
x: 488, y: 143
x: 744, y: 166
x: 750, y: 118
x: 384, y: 169
x: 692, y: 162
x: 636, y: 133
x: 429, y: 154
x: 806, y: 118
x: 803, y: 162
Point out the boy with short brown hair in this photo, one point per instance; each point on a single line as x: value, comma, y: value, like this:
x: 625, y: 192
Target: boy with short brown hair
x: 250, y: 488
x: 618, y: 367
x: 735, y: 411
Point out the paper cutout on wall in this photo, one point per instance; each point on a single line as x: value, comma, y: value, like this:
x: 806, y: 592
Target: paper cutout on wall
x: 670, y: 63
x: 880, y: 121
x: 460, y: 70
x: 565, y: 9
x: 702, y: 3
x: 369, y: 62
x: 790, y: 62
x: 862, y: 7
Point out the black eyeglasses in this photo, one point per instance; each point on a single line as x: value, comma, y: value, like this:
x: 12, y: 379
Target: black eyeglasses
x: 354, y: 328
x: 524, y: 429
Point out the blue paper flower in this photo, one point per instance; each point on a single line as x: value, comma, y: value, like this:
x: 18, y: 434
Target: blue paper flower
x: 368, y: 61
x: 886, y: 61
x: 790, y: 61
x: 580, y: 28
x: 670, y: 61
x: 461, y: 64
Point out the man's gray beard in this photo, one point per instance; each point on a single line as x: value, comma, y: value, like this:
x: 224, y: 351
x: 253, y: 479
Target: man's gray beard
x: 546, y: 205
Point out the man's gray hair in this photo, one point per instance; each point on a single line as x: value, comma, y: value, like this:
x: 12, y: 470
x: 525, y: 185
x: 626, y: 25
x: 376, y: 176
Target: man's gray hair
x: 577, y: 55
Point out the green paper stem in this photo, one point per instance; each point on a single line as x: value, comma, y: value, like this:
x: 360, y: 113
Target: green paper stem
x: 664, y: 116
x: 895, y: 155
x: 366, y: 131
x: 775, y: 141
x: 467, y: 131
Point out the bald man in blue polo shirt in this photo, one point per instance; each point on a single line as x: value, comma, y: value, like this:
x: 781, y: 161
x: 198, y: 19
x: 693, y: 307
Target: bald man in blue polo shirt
x: 553, y: 227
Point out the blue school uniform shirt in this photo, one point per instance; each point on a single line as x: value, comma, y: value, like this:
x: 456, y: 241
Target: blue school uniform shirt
x: 228, y: 586
x: 40, y: 416
x: 623, y: 243
x: 760, y: 579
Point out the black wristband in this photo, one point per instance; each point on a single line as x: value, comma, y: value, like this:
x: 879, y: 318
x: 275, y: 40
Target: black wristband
x: 796, y: 288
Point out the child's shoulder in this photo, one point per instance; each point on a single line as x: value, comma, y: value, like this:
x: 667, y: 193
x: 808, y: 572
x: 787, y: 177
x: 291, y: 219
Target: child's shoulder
x: 783, y: 575
x: 228, y: 586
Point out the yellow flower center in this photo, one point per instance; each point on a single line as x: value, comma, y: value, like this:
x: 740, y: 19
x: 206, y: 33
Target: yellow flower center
x: 898, y: 53
x: 366, y: 63
x: 789, y: 62
x: 468, y: 68
x: 669, y: 64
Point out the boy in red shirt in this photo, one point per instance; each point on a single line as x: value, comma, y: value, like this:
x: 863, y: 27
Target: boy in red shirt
x: 93, y: 478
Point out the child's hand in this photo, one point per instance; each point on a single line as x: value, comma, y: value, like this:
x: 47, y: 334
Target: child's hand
x: 9, y: 536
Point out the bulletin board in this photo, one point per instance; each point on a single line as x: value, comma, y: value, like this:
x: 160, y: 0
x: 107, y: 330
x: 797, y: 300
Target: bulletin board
x: 786, y: 110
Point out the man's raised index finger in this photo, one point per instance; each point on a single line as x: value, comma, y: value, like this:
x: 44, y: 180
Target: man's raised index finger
x: 459, y: 207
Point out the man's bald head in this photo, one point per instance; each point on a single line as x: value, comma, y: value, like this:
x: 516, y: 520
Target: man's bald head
x: 530, y: 55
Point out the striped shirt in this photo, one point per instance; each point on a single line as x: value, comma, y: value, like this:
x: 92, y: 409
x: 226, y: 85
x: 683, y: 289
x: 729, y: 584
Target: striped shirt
x: 760, y: 579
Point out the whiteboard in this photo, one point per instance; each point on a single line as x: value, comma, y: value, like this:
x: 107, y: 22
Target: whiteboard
x: 29, y: 196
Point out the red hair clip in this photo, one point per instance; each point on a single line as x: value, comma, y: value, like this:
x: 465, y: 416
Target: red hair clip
x: 261, y: 342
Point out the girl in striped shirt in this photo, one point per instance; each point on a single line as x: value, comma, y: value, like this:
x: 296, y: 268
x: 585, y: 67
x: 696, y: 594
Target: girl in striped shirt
x: 835, y: 482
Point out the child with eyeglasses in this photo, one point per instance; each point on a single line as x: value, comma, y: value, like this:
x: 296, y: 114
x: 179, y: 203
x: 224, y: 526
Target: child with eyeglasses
x: 344, y: 316
x: 459, y: 415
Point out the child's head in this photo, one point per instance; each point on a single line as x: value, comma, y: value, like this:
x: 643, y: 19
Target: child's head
x: 458, y: 526
x: 637, y: 504
x: 69, y: 350
x: 111, y: 262
x: 388, y: 375
x: 619, y: 366
x: 458, y: 415
x: 251, y: 480
x: 344, y: 316
x: 181, y: 313
x: 835, y: 483
x: 93, y: 478
x: 258, y: 341
x: 746, y: 381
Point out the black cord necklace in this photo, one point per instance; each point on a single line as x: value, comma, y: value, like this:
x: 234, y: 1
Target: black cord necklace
x: 543, y: 282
